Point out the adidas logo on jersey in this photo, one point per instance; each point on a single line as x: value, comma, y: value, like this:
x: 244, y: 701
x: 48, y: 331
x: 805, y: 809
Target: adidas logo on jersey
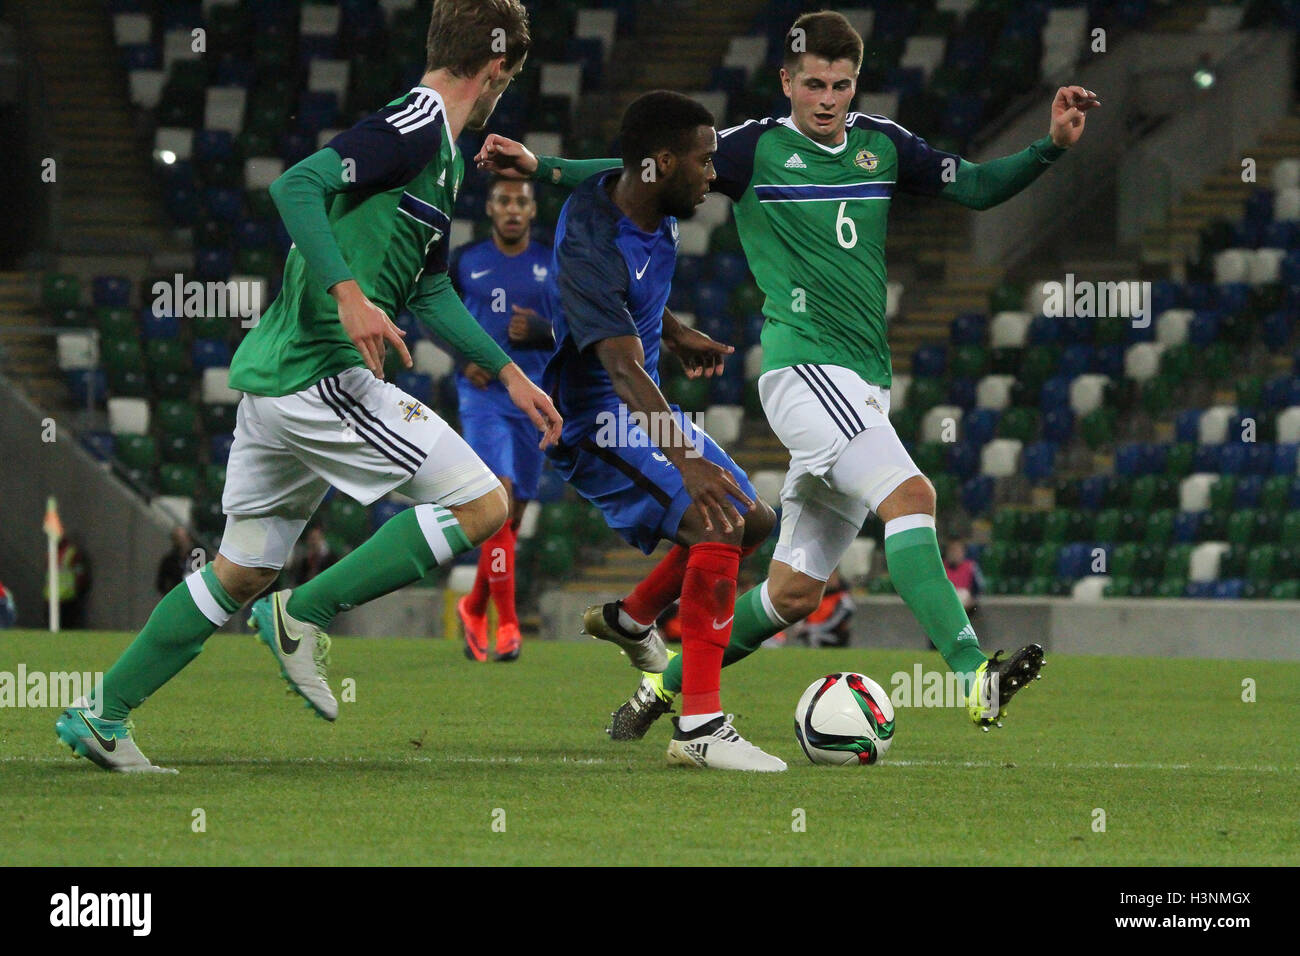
x: 794, y: 162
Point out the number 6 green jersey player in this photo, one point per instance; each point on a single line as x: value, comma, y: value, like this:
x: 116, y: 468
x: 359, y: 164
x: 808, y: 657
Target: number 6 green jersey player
x: 812, y: 194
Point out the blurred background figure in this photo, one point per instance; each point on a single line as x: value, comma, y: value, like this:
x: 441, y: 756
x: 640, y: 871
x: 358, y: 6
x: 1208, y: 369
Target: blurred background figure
x: 964, y: 573
x: 177, y: 564
x: 74, y: 586
x: 8, y: 610
x: 829, y: 624
x: 314, y: 556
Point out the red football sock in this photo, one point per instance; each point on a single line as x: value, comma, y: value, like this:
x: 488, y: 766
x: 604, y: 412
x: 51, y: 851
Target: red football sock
x: 662, y: 586
x: 500, y: 549
x: 476, y: 601
x: 708, y: 600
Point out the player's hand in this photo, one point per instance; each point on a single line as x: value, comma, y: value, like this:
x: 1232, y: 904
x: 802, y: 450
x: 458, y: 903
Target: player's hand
x: 521, y: 323
x: 506, y: 158
x: 535, y: 403
x: 699, y: 354
x: 368, y: 326
x: 712, y: 487
x: 478, y: 376
x: 1069, y: 112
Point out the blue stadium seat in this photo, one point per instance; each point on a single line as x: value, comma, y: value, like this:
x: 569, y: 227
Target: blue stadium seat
x: 969, y: 328
x: 1078, y: 330
x: 1129, y: 460
x: 1044, y: 331
x: 1165, y: 295
x: 689, y: 270
x: 1187, y: 526
x: 1075, y: 361
x: 1109, y: 360
x: 213, y: 144
x: 550, y: 487
x: 1074, y: 561
x: 964, y: 459
x: 1246, y: 494
x: 317, y: 110
x: 730, y: 269
x: 961, y: 392
x: 1245, y: 234
x: 727, y: 389
x: 139, y: 56
x: 1284, y: 459
x: 929, y: 361
x: 751, y: 330
x: 1093, y: 491
x: 1207, y: 458
x: 1230, y: 297
x: 1232, y: 458
x: 1187, y: 425
x: 1230, y: 589
x: 100, y: 444
x: 1203, y: 329
x: 219, y: 448
x: 1276, y: 329
x: 111, y: 291
x: 1056, y: 391
x: 214, y: 264
x: 159, y: 326
x: 1291, y: 265
x: 418, y: 385
x: 210, y: 353
x: 182, y: 203
x: 1058, y: 424
x: 253, y: 234
x: 980, y: 425
x: 235, y: 70
x: 1280, y: 235
x: 1259, y: 206
x: 1201, y: 295
x: 222, y: 204
x: 1200, y: 589
x: 83, y: 383
x: 411, y: 326
x: 295, y: 147
x: 711, y: 299
x: 977, y: 494
x: 1040, y: 461
x: 383, y: 510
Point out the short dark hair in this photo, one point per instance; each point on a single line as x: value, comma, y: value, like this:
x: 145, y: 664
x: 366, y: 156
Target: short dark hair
x: 825, y: 34
x: 659, y: 120
x: 465, y: 34
x: 497, y: 179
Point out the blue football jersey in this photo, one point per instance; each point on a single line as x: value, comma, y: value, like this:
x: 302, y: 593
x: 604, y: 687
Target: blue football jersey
x: 490, y: 284
x: 608, y: 279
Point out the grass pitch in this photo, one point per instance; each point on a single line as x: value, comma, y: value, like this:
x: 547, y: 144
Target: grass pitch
x: 435, y: 750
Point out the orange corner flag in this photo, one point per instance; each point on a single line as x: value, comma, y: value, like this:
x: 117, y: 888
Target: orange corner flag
x: 52, y: 525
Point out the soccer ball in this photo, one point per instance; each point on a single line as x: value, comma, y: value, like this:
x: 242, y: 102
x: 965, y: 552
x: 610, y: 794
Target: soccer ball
x: 844, y: 719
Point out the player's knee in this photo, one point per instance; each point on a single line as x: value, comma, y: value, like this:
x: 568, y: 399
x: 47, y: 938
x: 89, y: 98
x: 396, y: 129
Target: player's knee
x: 241, y: 583
x: 484, y: 516
x: 795, y: 597
x: 913, y: 497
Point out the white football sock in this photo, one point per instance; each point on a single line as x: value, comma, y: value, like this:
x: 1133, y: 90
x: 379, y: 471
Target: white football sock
x: 695, y: 721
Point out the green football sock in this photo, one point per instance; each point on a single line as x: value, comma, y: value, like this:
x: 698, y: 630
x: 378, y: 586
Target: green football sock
x: 172, y: 637
x: 916, y: 569
x: 405, y: 549
x: 755, y: 622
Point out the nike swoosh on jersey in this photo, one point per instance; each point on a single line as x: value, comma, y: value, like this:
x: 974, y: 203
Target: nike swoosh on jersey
x: 640, y: 272
x: 287, y: 644
x: 479, y: 275
x: 109, y: 745
x: 718, y: 627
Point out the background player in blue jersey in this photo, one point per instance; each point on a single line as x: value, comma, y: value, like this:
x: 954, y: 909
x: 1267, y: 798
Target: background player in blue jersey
x: 650, y: 471
x: 501, y: 282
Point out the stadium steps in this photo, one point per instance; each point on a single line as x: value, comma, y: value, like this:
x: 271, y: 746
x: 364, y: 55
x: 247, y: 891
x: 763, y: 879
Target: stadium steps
x: 28, y: 360
x: 106, y: 200
x: 1221, y: 196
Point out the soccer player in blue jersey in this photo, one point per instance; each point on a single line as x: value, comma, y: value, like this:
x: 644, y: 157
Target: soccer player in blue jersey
x: 500, y: 280
x: 650, y: 471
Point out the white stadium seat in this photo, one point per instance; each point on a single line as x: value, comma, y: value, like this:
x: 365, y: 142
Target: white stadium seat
x: 1091, y: 588
x: 1009, y: 330
x: 1286, y: 174
x: 692, y: 238
x: 1000, y: 458
x: 174, y: 509
x: 994, y: 391
x: 128, y: 416
x: 715, y: 101
x: 561, y: 79
x: 430, y: 359
x: 1286, y: 205
x: 959, y: 7
x: 1204, y: 563
x: 393, y: 6
x: 878, y: 104
x: 600, y: 24
x: 862, y: 19
x: 77, y: 350
x: 261, y: 171
x: 461, y: 579
x: 1142, y: 360
x: 325, y: 135
x: 1288, y: 426
x: 713, y: 212
x: 1087, y: 392
x: 462, y: 232
x: 688, y: 319
x: 146, y: 87
x: 1063, y: 39
x: 1221, y: 19
x: 941, y: 419
x: 132, y: 28
x: 1037, y: 296
x: 1232, y: 265
x: 1171, y: 326
x: 172, y: 139
x: 544, y: 144
x: 753, y: 363
x: 1266, y: 266
x: 923, y: 53
x: 224, y: 109
x: 893, y: 299
x: 1213, y: 427
x: 319, y: 21
x: 768, y: 485
x: 216, y: 387
x: 329, y: 76
x: 855, y: 566
x: 1194, y: 491
x: 898, y: 392
x: 178, y: 45
x: 747, y: 53
x: 722, y: 422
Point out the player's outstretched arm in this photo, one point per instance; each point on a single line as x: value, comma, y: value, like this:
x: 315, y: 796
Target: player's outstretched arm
x: 710, y: 486
x: 700, y: 354
x: 534, y: 403
x: 984, y: 185
x: 513, y: 160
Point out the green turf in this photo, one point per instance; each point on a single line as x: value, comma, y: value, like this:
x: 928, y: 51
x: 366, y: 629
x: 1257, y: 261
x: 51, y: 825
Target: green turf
x: 413, y: 770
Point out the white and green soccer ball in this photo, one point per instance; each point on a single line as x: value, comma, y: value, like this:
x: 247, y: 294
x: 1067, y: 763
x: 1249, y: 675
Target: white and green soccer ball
x: 844, y: 719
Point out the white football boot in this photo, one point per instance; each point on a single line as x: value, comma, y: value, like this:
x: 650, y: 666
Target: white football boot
x: 646, y: 651
x: 301, y: 648
x: 105, y: 743
x: 717, y: 746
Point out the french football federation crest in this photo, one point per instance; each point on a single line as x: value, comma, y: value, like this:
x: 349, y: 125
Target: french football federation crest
x: 412, y: 411
x: 867, y: 160
x: 539, y: 272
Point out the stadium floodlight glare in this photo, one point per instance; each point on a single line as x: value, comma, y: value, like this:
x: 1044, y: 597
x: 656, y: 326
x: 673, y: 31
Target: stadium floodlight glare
x: 1203, y: 78
x: 164, y: 156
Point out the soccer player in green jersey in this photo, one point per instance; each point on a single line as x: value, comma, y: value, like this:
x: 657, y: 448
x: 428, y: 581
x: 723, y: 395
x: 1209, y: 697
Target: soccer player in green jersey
x: 812, y: 193
x: 369, y: 216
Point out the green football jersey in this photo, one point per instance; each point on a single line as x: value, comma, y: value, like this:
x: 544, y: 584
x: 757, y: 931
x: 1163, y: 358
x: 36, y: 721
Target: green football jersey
x: 812, y: 221
x: 390, y: 185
